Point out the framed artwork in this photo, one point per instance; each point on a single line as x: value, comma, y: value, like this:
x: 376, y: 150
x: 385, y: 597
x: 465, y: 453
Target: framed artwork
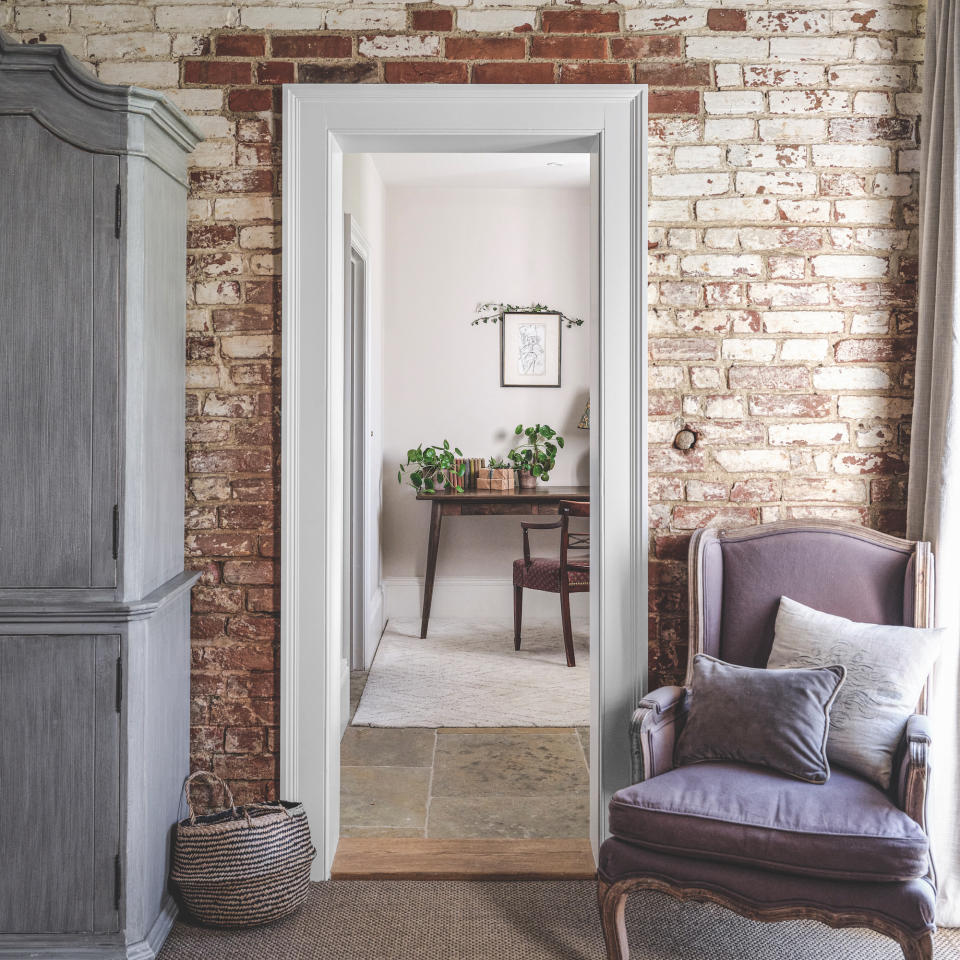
x: 530, y: 349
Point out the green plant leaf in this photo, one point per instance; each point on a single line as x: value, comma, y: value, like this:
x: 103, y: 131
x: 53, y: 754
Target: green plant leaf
x: 544, y: 477
x: 519, y: 429
x: 560, y: 441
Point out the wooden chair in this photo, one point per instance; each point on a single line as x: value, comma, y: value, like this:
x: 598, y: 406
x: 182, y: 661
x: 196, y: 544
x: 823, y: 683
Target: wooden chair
x: 561, y: 574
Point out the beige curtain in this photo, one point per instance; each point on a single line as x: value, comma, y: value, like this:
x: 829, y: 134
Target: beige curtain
x: 933, y: 508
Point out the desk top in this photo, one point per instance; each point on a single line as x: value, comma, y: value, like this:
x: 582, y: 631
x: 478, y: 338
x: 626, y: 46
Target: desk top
x: 530, y: 495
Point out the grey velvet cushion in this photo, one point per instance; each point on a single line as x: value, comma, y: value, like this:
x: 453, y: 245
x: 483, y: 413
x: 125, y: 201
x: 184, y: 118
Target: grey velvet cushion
x: 887, y: 667
x: 846, y: 829
x: 775, y: 718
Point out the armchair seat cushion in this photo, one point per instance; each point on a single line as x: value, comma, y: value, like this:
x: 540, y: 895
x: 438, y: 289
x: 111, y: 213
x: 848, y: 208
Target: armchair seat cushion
x: 845, y: 829
x: 543, y: 573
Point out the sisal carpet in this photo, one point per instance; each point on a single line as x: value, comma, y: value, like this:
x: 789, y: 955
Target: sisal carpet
x: 465, y: 673
x: 533, y: 920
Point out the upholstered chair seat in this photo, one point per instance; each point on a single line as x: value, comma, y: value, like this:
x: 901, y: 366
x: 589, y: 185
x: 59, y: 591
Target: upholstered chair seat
x: 846, y: 852
x: 845, y: 829
x: 543, y: 573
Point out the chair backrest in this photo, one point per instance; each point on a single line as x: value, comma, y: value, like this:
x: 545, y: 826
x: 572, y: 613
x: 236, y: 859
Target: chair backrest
x: 737, y: 578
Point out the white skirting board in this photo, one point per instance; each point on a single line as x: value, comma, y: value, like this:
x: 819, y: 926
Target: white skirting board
x: 474, y: 597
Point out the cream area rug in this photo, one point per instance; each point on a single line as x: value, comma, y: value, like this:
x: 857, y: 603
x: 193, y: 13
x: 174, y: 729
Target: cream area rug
x: 467, y: 674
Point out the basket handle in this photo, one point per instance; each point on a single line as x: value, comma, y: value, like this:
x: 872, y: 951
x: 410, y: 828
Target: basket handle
x: 213, y: 778
x: 270, y: 806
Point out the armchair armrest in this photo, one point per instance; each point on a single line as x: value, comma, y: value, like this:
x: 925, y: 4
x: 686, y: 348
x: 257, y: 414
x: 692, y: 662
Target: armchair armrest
x: 914, y: 768
x: 653, y: 732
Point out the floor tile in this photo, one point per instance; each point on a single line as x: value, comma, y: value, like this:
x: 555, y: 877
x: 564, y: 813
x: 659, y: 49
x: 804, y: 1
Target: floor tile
x: 525, y: 817
x: 383, y: 747
x: 514, y: 764
x: 385, y: 832
x: 384, y: 797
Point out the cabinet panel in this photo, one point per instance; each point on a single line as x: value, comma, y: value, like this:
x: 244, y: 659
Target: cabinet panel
x: 58, y: 397
x: 59, y: 764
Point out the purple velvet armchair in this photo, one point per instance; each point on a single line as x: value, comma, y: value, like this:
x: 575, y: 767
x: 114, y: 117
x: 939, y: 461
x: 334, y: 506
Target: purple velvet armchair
x: 845, y: 853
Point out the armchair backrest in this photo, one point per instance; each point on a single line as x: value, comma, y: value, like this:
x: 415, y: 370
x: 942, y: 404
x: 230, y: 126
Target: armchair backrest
x: 737, y: 578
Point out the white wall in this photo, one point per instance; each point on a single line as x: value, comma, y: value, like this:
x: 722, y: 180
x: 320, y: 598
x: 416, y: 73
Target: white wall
x: 446, y: 249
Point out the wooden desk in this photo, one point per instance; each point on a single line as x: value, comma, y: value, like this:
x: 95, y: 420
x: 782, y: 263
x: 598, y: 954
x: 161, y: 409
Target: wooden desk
x: 485, y: 503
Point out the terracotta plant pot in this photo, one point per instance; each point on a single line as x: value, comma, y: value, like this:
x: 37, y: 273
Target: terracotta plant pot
x: 527, y: 480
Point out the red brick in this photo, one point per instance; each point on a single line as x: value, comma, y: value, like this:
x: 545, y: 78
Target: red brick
x: 420, y: 71
x: 596, y: 72
x: 567, y: 48
x: 253, y: 489
x: 580, y: 21
x: 249, y: 101
x: 211, y: 236
x: 436, y: 21
x: 252, y: 628
x: 216, y: 72
x: 240, y: 319
x: 275, y: 71
x: 318, y: 46
x: 689, y: 518
x: 232, y: 181
x: 217, y: 599
x: 878, y: 350
x: 485, y: 48
x: 207, y: 627
x: 220, y: 544
x: 807, y: 405
x: 248, y: 516
x: 263, y: 600
x: 661, y: 403
x: 755, y: 490
x: 674, y: 101
x: 718, y: 19
x: 867, y: 463
x: 246, y: 740
x: 769, y: 378
x: 248, y: 571
x: 642, y: 48
x: 229, y: 461
x: 241, y: 45
x: 694, y: 74
x: 513, y: 72
x: 262, y: 291
x: 337, y: 73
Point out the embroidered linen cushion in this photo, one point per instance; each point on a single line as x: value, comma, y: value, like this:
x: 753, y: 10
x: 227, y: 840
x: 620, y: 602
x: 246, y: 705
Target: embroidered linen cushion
x: 773, y: 718
x: 887, y: 667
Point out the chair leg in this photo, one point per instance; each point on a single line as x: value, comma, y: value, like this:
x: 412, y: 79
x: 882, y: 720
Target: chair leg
x: 919, y: 949
x: 517, y: 615
x: 567, y: 627
x: 612, y: 904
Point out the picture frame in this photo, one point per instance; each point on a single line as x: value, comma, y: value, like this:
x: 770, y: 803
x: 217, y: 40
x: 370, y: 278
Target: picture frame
x: 530, y: 349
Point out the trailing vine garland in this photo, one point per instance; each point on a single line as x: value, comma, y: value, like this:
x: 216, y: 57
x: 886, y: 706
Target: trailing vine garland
x: 493, y: 313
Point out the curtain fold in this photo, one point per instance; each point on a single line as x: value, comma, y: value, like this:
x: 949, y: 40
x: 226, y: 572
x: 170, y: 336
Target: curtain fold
x: 933, y: 499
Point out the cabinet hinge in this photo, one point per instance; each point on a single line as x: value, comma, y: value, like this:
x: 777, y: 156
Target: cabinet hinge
x: 117, y: 881
x: 116, y: 530
x: 119, y: 700
x: 118, y: 214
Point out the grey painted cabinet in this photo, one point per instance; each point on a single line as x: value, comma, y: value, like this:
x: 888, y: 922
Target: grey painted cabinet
x: 94, y: 599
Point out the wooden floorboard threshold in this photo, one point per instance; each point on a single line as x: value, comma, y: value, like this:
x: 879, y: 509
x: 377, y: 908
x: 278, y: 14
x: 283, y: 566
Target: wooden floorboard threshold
x: 415, y: 858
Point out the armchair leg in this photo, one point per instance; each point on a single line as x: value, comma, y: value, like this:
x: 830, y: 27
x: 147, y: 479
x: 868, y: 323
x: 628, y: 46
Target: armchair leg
x: 517, y: 615
x: 919, y: 949
x: 612, y: 903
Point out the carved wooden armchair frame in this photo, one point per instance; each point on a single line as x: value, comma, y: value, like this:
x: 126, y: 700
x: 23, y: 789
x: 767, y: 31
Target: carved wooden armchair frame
x: 660, y: 715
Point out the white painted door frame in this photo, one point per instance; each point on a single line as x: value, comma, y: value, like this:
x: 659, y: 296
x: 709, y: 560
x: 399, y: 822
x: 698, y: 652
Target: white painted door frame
x: 321, y: 123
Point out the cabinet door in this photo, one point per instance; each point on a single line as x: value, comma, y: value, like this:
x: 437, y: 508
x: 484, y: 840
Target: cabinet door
x: 60, y: 771
x: 59, y: 308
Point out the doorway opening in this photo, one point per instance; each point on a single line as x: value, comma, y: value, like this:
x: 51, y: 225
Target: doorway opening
x: 467, y: 317
x: 322, y: 123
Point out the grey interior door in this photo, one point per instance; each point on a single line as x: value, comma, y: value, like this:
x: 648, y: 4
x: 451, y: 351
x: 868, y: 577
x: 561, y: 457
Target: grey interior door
x: 59, y: 302
x: 59, y: 772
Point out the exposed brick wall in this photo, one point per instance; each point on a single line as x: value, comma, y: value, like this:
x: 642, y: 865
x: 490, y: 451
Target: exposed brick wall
x: 782, y: 207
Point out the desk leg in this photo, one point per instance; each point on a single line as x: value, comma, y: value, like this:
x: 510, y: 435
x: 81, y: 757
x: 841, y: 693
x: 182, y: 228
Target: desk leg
x: 433, y: 547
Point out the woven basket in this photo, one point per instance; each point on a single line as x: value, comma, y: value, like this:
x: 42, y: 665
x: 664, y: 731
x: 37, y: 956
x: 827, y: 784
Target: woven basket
x: 244, y: 865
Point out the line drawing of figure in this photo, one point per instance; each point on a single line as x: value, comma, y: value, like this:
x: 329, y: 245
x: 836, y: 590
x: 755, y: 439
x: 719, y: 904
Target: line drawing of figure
x: 532, y: 349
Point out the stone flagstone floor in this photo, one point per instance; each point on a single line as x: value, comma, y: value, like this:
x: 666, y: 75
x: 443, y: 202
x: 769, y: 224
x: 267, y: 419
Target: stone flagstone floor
x: 463, y: 782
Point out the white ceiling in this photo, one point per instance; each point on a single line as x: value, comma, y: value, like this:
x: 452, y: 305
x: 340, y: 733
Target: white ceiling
x: 484, y: 169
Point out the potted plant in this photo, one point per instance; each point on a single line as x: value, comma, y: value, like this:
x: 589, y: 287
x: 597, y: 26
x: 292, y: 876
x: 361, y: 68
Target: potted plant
x: 536, y: 455
x: 435, y: 466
